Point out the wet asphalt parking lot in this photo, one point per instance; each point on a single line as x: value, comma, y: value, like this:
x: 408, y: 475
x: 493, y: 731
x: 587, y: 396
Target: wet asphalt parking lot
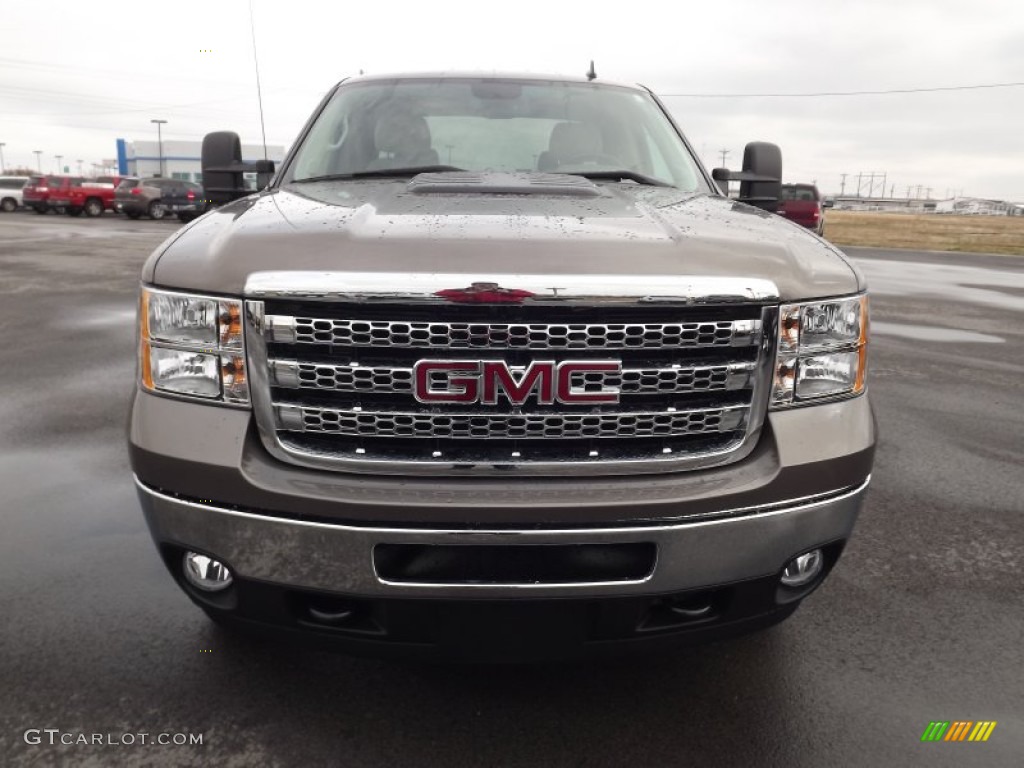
x: 923, y: 619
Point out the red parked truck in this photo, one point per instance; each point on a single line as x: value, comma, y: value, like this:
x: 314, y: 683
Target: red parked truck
x: 802, y: 203
x: 37, y: 193
x: 89, y: 196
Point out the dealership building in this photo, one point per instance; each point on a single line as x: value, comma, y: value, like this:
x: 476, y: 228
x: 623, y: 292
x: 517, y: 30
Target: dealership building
x: 181, y: 159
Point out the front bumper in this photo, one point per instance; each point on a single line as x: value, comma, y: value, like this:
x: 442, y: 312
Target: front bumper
x: 744, y: 545
x: 318, y: 583
x: 295, y: 537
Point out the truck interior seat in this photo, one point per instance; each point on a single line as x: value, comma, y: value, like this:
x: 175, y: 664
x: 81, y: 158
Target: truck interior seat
x: 402, y: 141
x: 569, y: 143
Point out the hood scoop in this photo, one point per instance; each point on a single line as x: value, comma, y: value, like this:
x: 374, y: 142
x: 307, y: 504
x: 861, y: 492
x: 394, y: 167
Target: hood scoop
x: 487, y: 183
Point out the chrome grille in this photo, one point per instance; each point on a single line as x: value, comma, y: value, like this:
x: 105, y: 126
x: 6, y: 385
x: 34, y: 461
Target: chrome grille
x: 332, y: 373
x: 461, y: 335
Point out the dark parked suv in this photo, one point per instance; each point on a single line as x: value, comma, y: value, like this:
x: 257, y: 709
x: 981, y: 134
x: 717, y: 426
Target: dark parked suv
x: 157, y: 198
x: 491, y: 369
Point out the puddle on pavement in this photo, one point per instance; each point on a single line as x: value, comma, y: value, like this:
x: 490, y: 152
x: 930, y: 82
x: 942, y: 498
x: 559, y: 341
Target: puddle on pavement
x: 932, y: 333
x: 999, y: 288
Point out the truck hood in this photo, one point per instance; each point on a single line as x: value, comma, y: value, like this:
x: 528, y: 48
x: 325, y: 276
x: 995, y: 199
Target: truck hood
x: 388, y: 226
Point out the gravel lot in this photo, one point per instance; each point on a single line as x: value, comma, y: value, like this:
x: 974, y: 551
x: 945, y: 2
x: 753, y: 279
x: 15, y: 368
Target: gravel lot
x: 922, y: 620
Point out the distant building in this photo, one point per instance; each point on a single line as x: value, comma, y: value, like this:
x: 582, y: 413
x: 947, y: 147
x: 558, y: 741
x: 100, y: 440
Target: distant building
x: 978, y: 207
x: 884, y: 204
x: 181, y: 159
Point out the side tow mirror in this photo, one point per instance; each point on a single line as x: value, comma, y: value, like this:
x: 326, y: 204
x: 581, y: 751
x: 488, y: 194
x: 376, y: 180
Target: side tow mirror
x: 763, y: 162
x: 761, y: 177
x: 224, y: 171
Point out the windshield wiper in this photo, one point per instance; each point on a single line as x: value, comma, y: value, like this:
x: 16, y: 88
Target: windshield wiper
x: 639, y: 178
x: 380, y: 173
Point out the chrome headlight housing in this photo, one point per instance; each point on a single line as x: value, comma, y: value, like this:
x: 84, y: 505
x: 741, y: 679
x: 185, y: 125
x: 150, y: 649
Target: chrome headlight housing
x: 822, y: 351
x: 192, y: 346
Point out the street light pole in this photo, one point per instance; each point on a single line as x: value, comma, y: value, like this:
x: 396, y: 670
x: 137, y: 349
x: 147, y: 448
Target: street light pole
x: 160, y: 143
x: 2, y: 145
x: 60, y: 167
x: 39, y: 162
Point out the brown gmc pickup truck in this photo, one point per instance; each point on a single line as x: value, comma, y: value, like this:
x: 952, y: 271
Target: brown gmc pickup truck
x: 489, y: 369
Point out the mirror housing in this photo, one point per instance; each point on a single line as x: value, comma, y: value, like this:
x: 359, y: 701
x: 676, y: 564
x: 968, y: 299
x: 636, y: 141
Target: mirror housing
x: 223, y: 168
x: 721, y: 175
x: 264, y: 173
x: 761, y: 177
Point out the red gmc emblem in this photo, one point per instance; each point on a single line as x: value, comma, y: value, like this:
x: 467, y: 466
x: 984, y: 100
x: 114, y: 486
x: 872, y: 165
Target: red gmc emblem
x: 483, y: 381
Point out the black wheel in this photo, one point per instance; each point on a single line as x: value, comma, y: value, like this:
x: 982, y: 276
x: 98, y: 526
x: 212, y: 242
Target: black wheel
x: 93, y: 207
x: 75, y: 211
x: 132, y: 214
x: 9, y: 205
x: 157, y: 210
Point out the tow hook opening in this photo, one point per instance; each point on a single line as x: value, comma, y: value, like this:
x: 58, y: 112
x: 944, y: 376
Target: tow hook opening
x: 335, y: 612
x: 669, y: 611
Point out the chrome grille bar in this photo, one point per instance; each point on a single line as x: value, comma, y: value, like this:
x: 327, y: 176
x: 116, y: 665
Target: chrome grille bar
x: 286, y: 329
x: 352, y: 377
x: 486, y: 425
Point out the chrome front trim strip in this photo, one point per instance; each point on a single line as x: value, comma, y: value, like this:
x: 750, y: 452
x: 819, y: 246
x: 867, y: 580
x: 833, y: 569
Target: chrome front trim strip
x: 439, y: 288
x: 339, y: 558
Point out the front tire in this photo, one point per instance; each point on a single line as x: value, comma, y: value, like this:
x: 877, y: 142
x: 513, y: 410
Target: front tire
x: 93, y: 207
x: 157, y: 210
x: 9, y: 205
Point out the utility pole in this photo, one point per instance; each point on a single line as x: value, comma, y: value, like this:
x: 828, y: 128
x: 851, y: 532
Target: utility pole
x: 858, y: 183
x: 60, y: 166
x: 724, y: 153
x: 39, y: 162
x: 79, y: 167
x: 842, y: 184
x: 892, y: 191
x: 908, y: 193
x: 884, y: 179
x: 160, y: 144
x: 2, y: 145
x: 928, y: 194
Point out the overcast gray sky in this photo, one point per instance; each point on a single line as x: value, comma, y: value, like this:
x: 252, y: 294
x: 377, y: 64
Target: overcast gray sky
x: 74, y: 76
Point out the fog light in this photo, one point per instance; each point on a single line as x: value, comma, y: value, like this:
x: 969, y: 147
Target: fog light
x: 205, y: 573
x: 803, y: 569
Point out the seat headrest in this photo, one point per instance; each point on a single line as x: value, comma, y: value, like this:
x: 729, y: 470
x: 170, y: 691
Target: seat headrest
x: 575, y: 140
x: 400, y: 132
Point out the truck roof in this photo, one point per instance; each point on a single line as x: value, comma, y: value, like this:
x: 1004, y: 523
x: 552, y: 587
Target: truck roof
x: 490, y: 75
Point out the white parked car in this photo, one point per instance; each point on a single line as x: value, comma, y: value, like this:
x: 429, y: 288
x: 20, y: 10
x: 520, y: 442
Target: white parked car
x: 10, y: 192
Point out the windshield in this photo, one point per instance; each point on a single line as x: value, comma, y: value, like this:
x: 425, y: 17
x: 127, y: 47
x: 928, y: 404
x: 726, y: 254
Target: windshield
x: 494, y: 125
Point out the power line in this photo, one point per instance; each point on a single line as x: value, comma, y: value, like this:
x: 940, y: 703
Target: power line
x: 936, y: 89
